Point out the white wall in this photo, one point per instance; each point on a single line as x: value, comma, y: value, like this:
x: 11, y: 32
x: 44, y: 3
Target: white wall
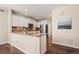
x: 68, y: 37
x: 3, y: 27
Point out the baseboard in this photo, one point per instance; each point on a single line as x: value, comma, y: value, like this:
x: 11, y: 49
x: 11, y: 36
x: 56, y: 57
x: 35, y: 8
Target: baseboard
x: 18, y: 48
x: 67, y: 47
x: 3, y: 43
x: 64, y: 45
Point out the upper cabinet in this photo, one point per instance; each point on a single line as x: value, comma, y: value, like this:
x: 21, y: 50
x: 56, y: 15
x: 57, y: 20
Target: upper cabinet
x: 19, y: 21
x: 14, y: 20
x: 34, y: 22
x: 26, y: 22
x: 43, y: 22
x: 37, y: 24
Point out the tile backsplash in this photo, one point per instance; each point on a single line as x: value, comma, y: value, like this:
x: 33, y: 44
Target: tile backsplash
x: 23, y: 29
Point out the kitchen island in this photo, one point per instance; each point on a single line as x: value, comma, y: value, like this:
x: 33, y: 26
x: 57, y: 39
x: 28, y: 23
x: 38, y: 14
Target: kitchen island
x: 29, y: 43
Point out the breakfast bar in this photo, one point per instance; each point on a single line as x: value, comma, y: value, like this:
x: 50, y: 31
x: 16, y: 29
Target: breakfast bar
x: 29, y: 43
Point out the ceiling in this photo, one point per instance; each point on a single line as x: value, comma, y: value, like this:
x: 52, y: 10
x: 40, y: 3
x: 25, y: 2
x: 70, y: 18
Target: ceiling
x: 38, y: 11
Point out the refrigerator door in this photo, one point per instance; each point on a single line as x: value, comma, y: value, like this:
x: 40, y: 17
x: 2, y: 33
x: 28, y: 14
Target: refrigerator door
x: 44, y: 28
x: 41, y: 29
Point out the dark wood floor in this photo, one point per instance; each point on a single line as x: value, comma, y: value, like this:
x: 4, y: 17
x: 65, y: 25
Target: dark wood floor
x: 8, y: 49
x: 51, y: 49
x: 59, y: 49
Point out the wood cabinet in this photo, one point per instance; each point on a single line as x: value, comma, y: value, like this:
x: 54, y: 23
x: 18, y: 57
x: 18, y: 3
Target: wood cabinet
x: 19, y: 21
x: 28, y: 44
x: 35, y: 23
x: 22, y: 21
x: 15, y: 20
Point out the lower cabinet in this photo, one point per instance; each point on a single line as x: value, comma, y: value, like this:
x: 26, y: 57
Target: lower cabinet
x: 14, y: 41
x: 31, y: 44
x: 28, y: 44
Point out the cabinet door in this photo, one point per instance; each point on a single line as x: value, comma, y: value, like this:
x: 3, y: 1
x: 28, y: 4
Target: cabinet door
x: 15, y: 21
x: 19, y: 21
x: 31, y: 44
x: 31, y: 21
x: 36, y: 24
x: 14, y: 40
x: 26, y: 22
x: 17, y: 41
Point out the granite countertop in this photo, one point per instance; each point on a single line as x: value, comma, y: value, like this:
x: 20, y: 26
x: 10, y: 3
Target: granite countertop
x: 32, y: 34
